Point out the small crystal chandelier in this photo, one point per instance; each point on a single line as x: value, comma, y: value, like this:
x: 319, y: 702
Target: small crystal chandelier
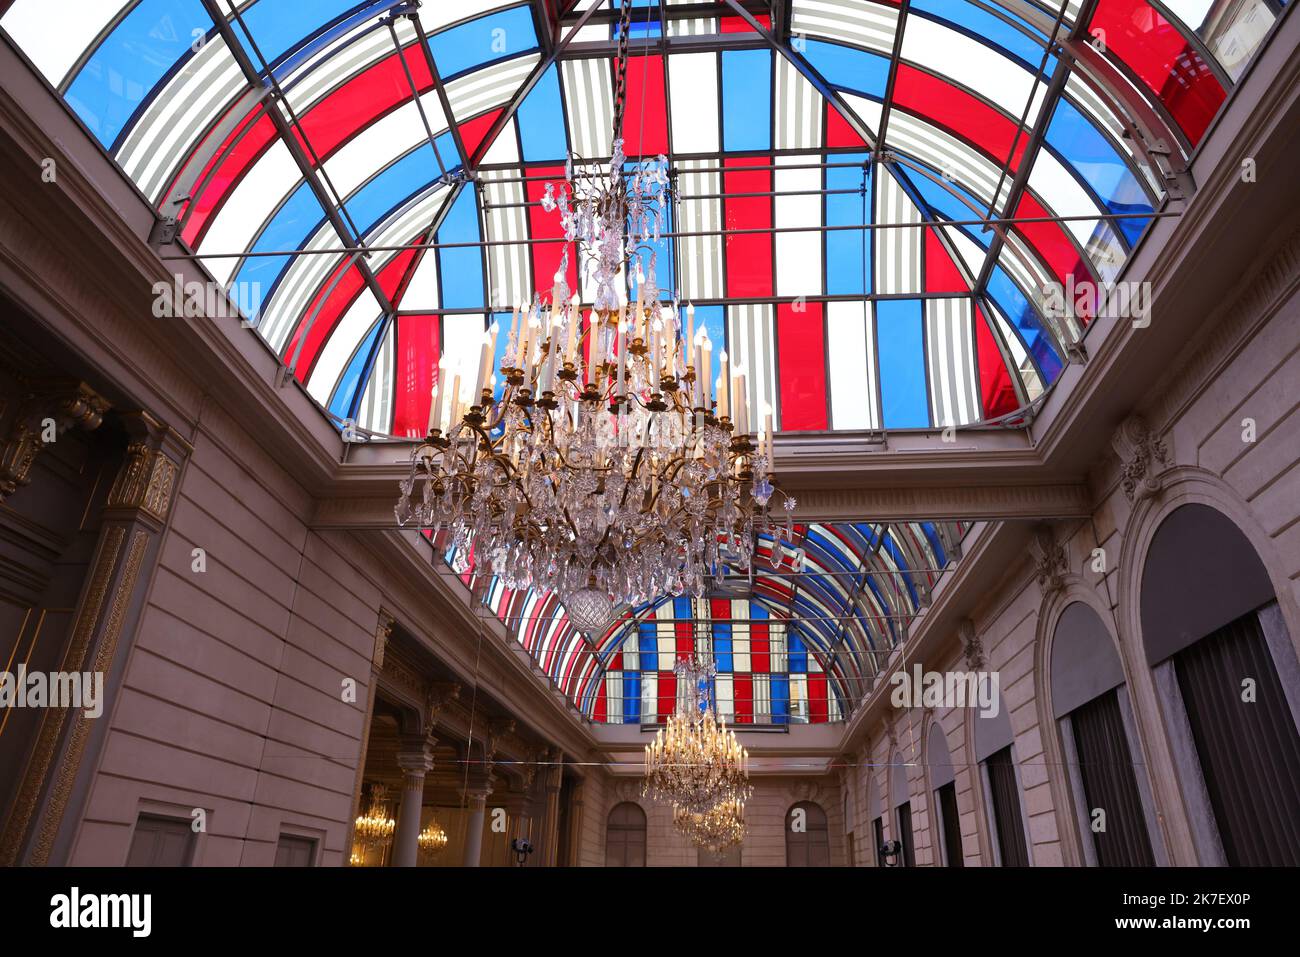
x: 715, y: 829
x: 696, y: 763
x: 432, y: 840
x: 375, y: 828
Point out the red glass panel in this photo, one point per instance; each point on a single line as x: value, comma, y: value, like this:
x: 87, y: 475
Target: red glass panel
x: 743, y: 689
x: 801, y: 351
x: 645, y: 131
x: 473, y: 132
x: 818, y: 709
x: 667, y: 691
x: 1055, y: 246
x: 838, y: 131
x: 748, y: 255
x: 969, y: 117
x: 415, y: 373
x: 941, y: 272
x: 339, y: 299
x: 231, y: 161
x: 543, y: 225
x: 996, y: 391
x: 760, y: 647
x: 1161, y: 56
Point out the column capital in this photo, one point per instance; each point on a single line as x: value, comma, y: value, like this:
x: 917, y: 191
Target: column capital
x: 1142, y: 454
x: 46, y: 408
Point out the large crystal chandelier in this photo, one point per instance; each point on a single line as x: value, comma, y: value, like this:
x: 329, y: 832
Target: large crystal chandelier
x: 600, y: 460
x: 375, y: 827
x: 696, y: 763
x: 716, y: 829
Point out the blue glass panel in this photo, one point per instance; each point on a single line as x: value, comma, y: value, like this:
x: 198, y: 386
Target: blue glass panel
x: 503, y: 320
x: 1007, y: 296
x: 936, y: 543
x: 886, y: 623
x: 848, y: 253
x: 849, y: 68
x: 662, y: 250
x: 712, y: 318
x: 460, y: 270
x: 289, y: 228
x: 746, y: 100
x: 370, y: 204
x: 354, y: 376
x: 542, y: 134
x: 493, y: 37
x: 943, y: 203
x: 780, y: 686
x: 682, y: 610
x: 900, y: 559
x: 989, y: 29
x: 798, y: 654
x: 722, y: 646
x: 631, y: 697
x: 648, y: 645
x: 1080, y: 144
x: 141, y: 51
x: 278, y: 26
x: 900, y: 347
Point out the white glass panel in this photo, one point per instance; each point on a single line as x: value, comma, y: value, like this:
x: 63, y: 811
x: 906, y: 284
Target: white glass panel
x: 356, y: 322
x: 693, y: 88
x: 798, y: 255
x: 849, y: 352
x: 55, y: 37
x: 240, y: 218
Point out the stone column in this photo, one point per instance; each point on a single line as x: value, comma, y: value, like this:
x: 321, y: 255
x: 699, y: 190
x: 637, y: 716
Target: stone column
x: 552, y: 775
x: 415, y: 760
x: 476, y: 795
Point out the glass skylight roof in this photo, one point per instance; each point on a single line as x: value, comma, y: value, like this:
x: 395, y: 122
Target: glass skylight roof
x: 275, y: 126
x: 798, y: 643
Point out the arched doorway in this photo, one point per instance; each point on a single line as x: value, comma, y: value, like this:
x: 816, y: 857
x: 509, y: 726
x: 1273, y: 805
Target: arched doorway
x: 1229, y: 685
x: 625, y: 836
x: 1090, y: 704
x: 807, y: 836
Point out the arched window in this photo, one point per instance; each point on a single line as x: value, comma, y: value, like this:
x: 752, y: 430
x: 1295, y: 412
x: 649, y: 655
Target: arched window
x: 1000, y: 779
x: 943, y: 781
x: 1229, y: 682
x: 807, y: 836
x: 901, y: 804
x: 625, y: 836
x: 1091, y: 706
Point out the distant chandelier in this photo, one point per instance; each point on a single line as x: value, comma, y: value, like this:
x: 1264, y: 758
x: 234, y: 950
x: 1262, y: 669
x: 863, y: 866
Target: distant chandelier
x: 715, y: 829
x: 375, y: 828
x: 432, y: 840
x: 695, y: 763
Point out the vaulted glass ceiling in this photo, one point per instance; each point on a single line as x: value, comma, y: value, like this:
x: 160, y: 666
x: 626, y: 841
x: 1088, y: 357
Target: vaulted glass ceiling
x: 844, y: 146
x: 798, y: 641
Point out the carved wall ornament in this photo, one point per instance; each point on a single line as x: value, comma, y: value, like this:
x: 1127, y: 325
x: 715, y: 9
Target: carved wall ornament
x: 1143, y: 456
x: 972, y: 647
x: 145, y: 481
x: 441, y: 695
x: 1050, y: 565
x: 65, y: 403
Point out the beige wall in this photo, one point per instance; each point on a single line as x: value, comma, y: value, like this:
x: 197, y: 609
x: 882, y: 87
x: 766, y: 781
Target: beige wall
x: 232, y: 700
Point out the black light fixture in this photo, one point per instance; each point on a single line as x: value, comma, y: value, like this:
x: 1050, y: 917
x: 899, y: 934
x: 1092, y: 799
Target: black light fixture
x: 522, y: 848
x: 890, y: 851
